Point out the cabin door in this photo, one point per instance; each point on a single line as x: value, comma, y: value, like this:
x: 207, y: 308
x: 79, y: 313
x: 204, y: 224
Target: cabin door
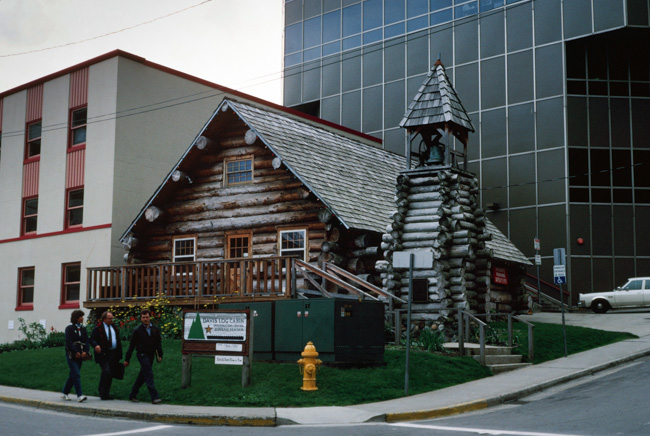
x: 238, y: 247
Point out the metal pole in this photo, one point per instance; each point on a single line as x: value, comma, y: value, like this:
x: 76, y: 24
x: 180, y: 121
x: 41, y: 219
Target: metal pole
x: 563, y: 323
x: 408, y: 326
x: 539, y: 288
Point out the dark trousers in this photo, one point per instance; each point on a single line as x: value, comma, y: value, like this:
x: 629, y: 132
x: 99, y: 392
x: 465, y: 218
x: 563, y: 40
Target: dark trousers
x: 106, y: 377
x: 145, y: 376
x: 74, y: 379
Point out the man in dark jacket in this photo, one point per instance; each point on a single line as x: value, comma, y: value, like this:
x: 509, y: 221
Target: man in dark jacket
x: 147, y: 343
x: 105, y: 338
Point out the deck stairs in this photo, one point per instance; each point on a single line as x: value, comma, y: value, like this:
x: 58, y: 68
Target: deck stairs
x: 498, y: 358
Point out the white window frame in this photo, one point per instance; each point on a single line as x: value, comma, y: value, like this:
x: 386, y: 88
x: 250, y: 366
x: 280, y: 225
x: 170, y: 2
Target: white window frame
x: 305, y: 248
x: 184, y: 257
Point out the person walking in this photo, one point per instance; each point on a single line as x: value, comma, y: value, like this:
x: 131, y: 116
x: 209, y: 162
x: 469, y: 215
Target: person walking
x: 77, y: 349
x: 146, y: 340
x: 105, y: 339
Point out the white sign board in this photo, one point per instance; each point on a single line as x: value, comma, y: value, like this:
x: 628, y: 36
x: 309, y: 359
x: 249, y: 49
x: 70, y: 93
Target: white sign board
x: 234, y: 348
x: 214, y: 326
x: 559, y: 274
x: 421, y: 259
x: 538, y: 259
x: 228, y: 360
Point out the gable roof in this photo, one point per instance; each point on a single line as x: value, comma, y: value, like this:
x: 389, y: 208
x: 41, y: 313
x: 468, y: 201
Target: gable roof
x: 502, y: 248
x: 436, y: 102
x: 353, y: 179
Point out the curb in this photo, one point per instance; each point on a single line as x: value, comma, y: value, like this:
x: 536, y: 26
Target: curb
x: 437, y: 413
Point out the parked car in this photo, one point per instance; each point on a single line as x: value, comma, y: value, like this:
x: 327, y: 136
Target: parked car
x: 634, y: 293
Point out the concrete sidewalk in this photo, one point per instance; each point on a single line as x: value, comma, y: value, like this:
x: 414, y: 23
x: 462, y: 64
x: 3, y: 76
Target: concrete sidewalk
x: 470, y: 396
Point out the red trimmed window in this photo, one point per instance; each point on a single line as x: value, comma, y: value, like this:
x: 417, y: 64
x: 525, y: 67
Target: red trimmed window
x: 71, y: 285
x: 78, y: 118
x: 33, y: 146
x: 30, y: 215
x: 25, y: 299
x: 74, y: 209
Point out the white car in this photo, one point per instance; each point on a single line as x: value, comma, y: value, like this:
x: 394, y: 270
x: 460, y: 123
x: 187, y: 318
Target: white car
x: 635, y: 293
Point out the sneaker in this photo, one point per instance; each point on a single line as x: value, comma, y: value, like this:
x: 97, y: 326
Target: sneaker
x: 157, y: 401
x: 65, y: 397
x: 81, y: 399
x: 134, y: 400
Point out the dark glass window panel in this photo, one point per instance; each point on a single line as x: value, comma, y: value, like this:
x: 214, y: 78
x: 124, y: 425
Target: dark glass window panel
x: 351, y: 20
x: 394, y: 11
x: 619, y: 89
x: 608, y: 15
x: 577, y: 18
x: 76, y: 198
x: 30, y: 224
x: 439, y: 4
x: 292, y: 79
x: 492, y: 35
x: 72, y: 292
x: 642, y: 168
x: 372, y: 66
x: 598, y: 122
x: 550, y: 176
x: 642, y: 218
x: 493, y: 133
x: 493, y: 90
x: 487, y: 5
x: 466, y: 84
x: 578, y: 167
x: 351, y: 70
x: 620, y: 119
x: 441, y: 17
x: 79, y: 135
x: 312, y: 33
x: 640, y: 123
x: 548, y: 21
x: 602, y: 230
x: 352, y: 42
x: 552, y: 228
x: 292, y: 11
x: 623, y: 267
x: 639, y: 62
x: 473, y: 151
x: 441, y: 46
x: 31, y: 207
x: 372, y: 36
x: 394, y: 104
x: 75, y: 217
x: 372, y: 109
x: 642, y: 196
x: 311, y: 54
x: 519, y: 25
x: 293, y: 38
x: 416, y: 7
x: 598, y: 88
x: 523, y: 229
x: 34, y: 131
x: 522, y: 180
x: 394, y: 61
x: 34, y: 148
x: 332, y: 26
x: 494, y: 173
x: 72, y: 273
x: 596, y: 62
x: 417, y: 24
x: 520, y: 77
x: 293, y: 59
x: 622, y: 168
x: 394, y: 30
x: 550, y: 123
x: 576, y: 87
x: 467, y: 42
x: 28, y: 296
x: 521, y: 128
x: 395, y: 140
x: 548, y: 77
x: 580, y: 225
x: 637, y: 12
x: 623, y: 196
x: 331, y: 48
x: 312, y: 8
x: 417, y: 54
x: 311, y: 82
x: 579, y: 195
x: 79, y: 117
x: 601, y: 195
x: 372, y: 14
x: 331, y: 109
x: 351, y: 110
x: 580, y: 267
x: 576, y: 66
x: 577, y: 121
x: 465, y: 10
x: 617, y: 63
x: 603, y: 275
x: 27, y: 277
x: 600, y: 167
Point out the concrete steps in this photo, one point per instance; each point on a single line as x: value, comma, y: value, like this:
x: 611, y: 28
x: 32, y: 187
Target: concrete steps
x: 498, y: 358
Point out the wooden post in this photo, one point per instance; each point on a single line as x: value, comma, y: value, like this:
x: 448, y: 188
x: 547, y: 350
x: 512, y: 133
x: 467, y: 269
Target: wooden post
x: 186, y: 371
x: 246, y: 367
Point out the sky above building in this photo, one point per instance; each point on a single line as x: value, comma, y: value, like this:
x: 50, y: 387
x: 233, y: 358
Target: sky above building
x: 234, y: 43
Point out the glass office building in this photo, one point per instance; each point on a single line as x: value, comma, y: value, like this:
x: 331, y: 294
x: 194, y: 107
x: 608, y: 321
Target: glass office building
x: 559, y: 91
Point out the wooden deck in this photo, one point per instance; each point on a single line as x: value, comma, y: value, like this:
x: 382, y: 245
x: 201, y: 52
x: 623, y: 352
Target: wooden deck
x: 192, y: 283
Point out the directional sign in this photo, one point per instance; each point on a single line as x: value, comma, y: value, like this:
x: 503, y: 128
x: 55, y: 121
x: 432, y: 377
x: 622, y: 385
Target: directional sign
x: 538, y: 259
x: 559, y: 274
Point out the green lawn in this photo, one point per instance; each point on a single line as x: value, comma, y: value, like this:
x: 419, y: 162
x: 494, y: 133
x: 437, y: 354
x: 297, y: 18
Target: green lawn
x: 277, y: 384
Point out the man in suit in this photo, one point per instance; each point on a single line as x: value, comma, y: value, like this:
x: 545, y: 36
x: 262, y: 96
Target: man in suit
x: 105, y: 338
x: 147, y: 342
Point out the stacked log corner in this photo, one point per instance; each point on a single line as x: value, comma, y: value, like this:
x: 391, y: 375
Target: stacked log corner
x: 437, y: 211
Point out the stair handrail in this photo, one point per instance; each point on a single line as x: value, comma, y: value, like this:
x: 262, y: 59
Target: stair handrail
x: 531, y: 338
x: 461, y: 340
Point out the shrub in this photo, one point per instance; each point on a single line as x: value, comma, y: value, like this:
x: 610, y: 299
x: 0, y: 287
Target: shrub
x: 167, y: 317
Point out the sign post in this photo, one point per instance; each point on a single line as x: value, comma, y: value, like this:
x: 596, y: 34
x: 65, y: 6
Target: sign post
x: 538, y: 262
x: 559, y: 277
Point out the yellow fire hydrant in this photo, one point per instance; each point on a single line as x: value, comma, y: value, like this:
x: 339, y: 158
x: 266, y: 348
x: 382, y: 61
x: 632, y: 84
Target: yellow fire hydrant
x: 308, y: 365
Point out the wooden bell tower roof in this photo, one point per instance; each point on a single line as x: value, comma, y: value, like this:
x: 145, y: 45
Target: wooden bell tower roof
x: 436, y: 103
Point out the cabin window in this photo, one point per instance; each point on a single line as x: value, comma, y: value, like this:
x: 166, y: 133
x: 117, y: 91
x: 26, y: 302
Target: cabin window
x: 238, y: 245
x: 78, y: 120
x: 71, y: 285
x: 238, y: 170
x: 74, y: 213
x: 25, y: 299
x: 185, y: 249
x: 30, y: 215
x: 293, y: 242
x: 33, y: 148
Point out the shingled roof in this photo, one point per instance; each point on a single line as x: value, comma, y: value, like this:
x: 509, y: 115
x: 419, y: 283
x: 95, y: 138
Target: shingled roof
x: 436, y: 102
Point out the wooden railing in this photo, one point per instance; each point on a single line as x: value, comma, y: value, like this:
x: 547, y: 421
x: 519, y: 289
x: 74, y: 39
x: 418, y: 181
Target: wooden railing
x: 201, y: 282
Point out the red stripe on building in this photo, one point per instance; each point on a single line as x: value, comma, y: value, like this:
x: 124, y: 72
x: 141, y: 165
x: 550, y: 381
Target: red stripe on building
x: 30, y: 179
x: 75, y: 177
x: 34, y: 103
x: 1, y: 104
x: 79, y: 88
